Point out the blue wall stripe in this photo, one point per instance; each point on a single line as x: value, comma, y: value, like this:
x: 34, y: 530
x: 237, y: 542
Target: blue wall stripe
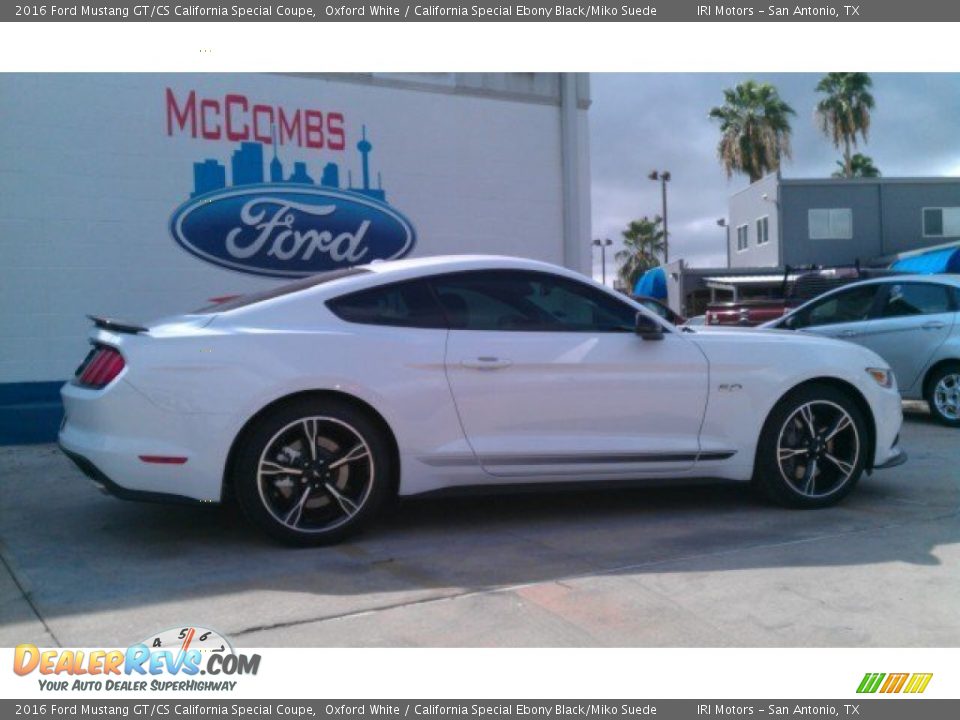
x: 30, y: 412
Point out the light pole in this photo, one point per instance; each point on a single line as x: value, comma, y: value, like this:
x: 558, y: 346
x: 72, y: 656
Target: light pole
x: 722, y: 222
x: 603, y: 245
x: 664, y: 177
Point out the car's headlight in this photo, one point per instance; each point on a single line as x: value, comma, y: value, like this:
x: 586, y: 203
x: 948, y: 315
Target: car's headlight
x: 883, y: 376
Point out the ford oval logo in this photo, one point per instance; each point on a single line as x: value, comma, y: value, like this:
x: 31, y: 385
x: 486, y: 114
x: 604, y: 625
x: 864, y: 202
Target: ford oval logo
x: 285, y: 230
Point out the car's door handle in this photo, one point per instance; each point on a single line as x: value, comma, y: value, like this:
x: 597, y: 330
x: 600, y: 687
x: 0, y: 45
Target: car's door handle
x: 935, y: 325
x: 486, y: 363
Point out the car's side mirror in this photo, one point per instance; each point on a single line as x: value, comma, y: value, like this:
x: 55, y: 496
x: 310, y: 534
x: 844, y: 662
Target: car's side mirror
x: 648, y: 328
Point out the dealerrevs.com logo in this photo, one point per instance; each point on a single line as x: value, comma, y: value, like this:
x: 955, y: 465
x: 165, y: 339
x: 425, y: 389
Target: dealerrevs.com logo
x: 890, y: 683
x: 171, y: 660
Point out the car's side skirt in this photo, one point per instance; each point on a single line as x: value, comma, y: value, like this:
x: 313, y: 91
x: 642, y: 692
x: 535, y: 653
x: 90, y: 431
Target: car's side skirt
x: 557, y: 486
x: 600, y: 459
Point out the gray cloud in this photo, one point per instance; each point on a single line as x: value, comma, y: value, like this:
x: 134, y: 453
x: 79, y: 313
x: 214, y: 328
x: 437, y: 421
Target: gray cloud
x: 639, y: 122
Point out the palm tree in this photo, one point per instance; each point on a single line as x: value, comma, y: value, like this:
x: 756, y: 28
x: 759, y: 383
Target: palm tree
x: 861, y: 166
x: 844, y: 112
x: 643, y: 246
x: 755, y: 127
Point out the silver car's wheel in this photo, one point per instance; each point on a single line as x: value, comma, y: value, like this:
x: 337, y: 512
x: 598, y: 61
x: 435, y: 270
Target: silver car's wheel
x: 943, y: 394
x: 818, y: 449
x: 946, y: 396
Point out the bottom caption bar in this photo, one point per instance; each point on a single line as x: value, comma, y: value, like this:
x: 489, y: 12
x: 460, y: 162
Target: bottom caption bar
x: 861, y: 709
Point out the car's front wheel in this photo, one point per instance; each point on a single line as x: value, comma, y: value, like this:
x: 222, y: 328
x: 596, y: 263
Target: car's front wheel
x: 943, y: 394
x: 312, y: 471
x: 812, y: 449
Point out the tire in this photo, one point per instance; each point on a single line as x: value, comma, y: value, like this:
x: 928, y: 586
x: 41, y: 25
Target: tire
x: 787, y: 448
x: 322, y: 497
x: 943, y: 394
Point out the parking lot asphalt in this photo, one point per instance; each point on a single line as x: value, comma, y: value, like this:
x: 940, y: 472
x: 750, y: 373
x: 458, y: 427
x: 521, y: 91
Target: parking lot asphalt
x: 655, y: 566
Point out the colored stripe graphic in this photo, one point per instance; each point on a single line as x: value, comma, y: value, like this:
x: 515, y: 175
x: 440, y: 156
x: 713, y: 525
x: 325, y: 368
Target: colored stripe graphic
x: 894, y: 683
x: 918, y: 683
x: 870, y: 682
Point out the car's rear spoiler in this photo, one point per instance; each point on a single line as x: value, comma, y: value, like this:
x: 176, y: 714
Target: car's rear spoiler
x: 119, y: 326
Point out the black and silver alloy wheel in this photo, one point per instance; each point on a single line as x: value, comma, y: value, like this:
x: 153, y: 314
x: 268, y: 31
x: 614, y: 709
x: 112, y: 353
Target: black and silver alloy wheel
x: 315, y: 474
x: 943, y: 394
x: 310, y: 475
x: 813, y: 447
x: 818, y: 449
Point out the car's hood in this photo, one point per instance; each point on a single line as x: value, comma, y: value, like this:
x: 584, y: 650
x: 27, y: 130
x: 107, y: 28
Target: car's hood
x: 761, y: 344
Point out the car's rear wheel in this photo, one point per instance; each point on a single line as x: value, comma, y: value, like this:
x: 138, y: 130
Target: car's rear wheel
x: 813, y: 448
x: 943, y: 394
x: 312, y: 471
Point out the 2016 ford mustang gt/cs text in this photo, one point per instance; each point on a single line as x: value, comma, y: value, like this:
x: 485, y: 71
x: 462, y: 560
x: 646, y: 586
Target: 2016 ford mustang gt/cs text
x: 314, y: 402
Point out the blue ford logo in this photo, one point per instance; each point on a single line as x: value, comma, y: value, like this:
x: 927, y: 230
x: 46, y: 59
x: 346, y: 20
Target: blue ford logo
x: 289, y: 231
x: 280, y: 222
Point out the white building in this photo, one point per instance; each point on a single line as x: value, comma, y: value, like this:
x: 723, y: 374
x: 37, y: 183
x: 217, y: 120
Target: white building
x: 139, y: 196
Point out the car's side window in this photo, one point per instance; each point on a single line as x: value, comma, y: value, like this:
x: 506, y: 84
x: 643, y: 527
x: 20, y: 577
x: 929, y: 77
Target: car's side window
x: 403, y: 304
x: 905, y: 299
x: 851, y: 305
x: 529, y: 301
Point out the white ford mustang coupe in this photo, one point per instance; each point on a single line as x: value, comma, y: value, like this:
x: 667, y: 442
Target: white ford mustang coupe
x: 314, y: 402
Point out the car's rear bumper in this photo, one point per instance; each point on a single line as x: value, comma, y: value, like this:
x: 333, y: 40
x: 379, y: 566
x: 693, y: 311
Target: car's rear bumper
x: 107, y: 485
x: 137, y: 450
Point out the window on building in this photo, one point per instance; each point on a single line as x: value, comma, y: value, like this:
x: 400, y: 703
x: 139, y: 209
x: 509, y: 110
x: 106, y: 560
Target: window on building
x: 742, y: 238
x: 763, y: 230
x: 529, y: 302
x: 941, y: 222
x: 405, y: 304
x: 830, y: 223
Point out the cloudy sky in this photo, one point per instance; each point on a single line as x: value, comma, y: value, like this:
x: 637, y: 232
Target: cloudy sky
x: 639, y: 122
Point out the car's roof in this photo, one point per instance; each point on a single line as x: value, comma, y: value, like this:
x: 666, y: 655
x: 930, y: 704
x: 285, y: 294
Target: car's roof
x: 389, y: 271
x: 452, y: 263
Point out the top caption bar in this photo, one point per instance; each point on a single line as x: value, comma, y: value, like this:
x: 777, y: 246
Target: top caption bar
x: 312, y: 11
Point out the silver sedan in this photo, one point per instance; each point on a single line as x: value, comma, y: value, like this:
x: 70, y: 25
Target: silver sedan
x: 911, y: 321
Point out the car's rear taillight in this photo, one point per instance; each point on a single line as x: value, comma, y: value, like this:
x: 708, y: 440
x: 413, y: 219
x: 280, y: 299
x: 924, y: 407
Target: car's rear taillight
x: 102, y: 365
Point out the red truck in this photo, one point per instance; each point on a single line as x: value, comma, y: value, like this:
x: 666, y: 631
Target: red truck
x: 804, y: 287
x: 747, y: 313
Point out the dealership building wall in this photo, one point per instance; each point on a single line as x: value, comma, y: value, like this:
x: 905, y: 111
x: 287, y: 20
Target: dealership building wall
x: 103, y: 179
